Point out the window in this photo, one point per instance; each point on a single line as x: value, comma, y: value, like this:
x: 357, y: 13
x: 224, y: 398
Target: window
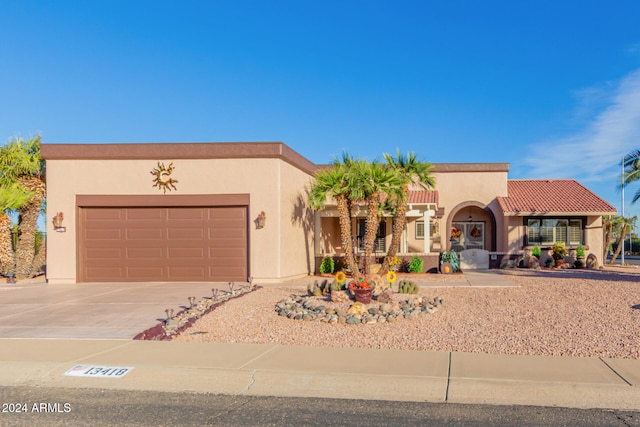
x: 547, y: 231
x: 379, y: 245
x: 420, y: 229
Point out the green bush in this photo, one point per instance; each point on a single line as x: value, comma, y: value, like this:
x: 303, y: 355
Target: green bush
x: 327, y: 265
x: 536, y: 252
x: 407, y: 287
x: 580, y: 251
x: 416, y: 264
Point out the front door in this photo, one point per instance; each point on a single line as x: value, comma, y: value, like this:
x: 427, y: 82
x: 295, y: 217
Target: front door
x: 467, y: 235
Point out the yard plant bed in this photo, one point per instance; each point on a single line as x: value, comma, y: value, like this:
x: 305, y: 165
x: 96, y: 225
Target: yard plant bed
x: 552, y: 312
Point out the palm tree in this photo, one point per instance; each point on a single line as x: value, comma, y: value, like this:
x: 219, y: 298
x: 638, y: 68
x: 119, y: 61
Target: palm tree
x: 631, y: 163
x: 20, y: 163
x: 624, y: 224
x: 409, y: 170
x: 334, y: 182
x: 370, y: 181
x: 12, y: 197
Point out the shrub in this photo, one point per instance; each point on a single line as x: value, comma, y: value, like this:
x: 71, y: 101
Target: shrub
x: 416, y: 264
x: 536, y: 252
x: 327, y: 265
x: 407, y: 287
x: 548, y: 262
x: 558, y: 251
x: 580, y: 251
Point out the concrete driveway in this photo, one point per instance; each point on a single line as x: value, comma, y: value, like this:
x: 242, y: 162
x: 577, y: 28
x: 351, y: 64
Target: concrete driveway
x: 35, y: 309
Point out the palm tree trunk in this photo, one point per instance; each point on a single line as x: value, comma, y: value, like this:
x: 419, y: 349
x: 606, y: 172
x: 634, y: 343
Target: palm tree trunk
x: 396, y: 237
x: 345, y: 234
x: 371, y: 229
x: 27, y: 226
x: 7, y: 262
x: 623, y: 233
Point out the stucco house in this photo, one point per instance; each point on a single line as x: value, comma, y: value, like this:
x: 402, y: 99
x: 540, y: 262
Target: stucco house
x: 228, y: 211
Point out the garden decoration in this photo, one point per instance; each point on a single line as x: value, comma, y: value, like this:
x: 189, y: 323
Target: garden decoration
x: 394, y: 264
x: 391, y: 277
x: 163, y: 178
x: 362, y: 290
x: 450, y: 258
x: 341, y: 278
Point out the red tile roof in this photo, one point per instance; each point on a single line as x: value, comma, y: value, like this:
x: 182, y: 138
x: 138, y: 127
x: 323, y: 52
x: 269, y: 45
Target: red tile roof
x: 552, y: 196
x: 423, y: 197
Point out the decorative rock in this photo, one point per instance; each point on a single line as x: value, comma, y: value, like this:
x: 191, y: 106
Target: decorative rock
x: 351, y: 320
x: 373, y: 310
x: 534, y: 262
x: 358, y: 308
x: 385, y: 308
x: 592, y: 262
x: 385, y: 297
x: 339, y: 296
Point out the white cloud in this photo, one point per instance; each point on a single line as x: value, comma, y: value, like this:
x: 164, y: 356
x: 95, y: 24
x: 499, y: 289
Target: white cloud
x: 592, y: 153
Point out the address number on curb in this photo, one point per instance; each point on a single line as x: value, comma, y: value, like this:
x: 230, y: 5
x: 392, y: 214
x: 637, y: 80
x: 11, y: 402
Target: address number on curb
x: 98, y: 371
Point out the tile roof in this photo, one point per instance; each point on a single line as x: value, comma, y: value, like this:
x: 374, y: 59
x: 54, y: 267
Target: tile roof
x: 552, y: 196
x: 423, y: 197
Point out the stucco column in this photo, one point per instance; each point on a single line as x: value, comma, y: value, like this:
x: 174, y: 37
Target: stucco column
x: 316, y: 233
x: 427, y: 229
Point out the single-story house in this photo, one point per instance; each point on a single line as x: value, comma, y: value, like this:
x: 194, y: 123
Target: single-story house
x: 229, y: 211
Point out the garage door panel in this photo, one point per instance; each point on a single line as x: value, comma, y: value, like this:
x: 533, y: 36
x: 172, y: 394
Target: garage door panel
x: 104, y: 214
x: 104, y: 274
x: 160, y: 244
x: 103, y: 234
x: 182, y: 214
x: 143, y: 214
x: 186, y: 253
x: 186, y: 233
x: 103, y: 253
x: 144, y: 273
x: 187, y: 273
x: 145, y: 253
x: 142, y: 233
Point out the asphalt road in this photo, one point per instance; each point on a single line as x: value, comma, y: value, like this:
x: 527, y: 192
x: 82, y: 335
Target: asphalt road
x: 92, y: 407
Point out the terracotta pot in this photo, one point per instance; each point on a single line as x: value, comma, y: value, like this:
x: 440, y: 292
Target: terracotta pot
x: 559, y: 262
x: 363, y: 295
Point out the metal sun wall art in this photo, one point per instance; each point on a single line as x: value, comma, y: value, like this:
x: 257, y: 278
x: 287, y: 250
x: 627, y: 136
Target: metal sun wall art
x: 163, y: 178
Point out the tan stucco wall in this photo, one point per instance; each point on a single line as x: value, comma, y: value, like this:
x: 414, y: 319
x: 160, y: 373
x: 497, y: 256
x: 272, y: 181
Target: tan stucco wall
x: 276, y: 251
x: 457, y: 189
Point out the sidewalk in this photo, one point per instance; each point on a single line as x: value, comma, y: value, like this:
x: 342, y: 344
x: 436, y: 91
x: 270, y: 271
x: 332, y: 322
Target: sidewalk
x: 275, y: 370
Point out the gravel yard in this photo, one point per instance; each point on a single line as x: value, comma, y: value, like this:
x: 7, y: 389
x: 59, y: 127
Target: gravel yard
x: 552, y: 312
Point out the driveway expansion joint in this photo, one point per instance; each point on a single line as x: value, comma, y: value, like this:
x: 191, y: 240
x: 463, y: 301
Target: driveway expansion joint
x: 615, y: 372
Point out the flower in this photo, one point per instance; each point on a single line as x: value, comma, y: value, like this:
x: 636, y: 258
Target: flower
x: 361, y: 283
x: 391, y: 276
x: 341, y: 277
x: 395, y: 261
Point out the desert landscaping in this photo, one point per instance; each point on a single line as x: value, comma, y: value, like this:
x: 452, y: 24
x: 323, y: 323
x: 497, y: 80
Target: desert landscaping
x: 550, y: 312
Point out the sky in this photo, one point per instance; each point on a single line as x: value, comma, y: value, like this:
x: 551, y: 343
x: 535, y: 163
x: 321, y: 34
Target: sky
x: 550, y: 87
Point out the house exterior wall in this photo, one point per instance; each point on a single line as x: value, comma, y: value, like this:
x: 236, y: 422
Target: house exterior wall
x: 272, y: 185
x: 463, y: 187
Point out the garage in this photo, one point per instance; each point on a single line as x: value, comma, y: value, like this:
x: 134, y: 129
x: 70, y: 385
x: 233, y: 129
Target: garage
x: 162, y: 243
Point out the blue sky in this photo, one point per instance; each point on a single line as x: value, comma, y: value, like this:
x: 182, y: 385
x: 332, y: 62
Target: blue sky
x: 552, y: 87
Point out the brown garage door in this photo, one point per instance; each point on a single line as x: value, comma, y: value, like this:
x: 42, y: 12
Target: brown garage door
x: 163, y: 244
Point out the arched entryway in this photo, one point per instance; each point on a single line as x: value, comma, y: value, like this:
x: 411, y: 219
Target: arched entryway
x: 471, y: 225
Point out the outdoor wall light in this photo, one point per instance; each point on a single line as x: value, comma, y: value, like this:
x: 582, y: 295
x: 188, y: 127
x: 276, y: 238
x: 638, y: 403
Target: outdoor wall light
x: 57, y: 223
x: 261, y: 220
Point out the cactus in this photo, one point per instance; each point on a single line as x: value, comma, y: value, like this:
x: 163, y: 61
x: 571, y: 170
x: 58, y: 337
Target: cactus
x: 407, y: 287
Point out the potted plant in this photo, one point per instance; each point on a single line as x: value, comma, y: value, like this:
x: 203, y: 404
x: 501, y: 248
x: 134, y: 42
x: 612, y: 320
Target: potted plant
x: 362, y: 289
x: 536, y: 252
x: 558, y: 252
x: 580, y: 255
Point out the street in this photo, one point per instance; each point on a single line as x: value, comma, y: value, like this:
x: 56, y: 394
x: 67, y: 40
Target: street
x: 95, y: 407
